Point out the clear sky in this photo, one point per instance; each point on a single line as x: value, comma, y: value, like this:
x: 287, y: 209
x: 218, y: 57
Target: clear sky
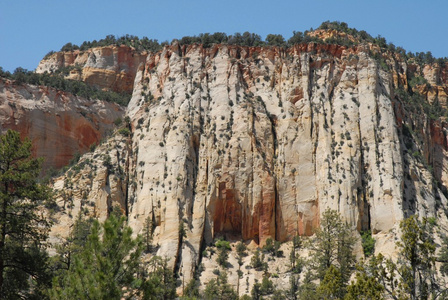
x: 31, y: 28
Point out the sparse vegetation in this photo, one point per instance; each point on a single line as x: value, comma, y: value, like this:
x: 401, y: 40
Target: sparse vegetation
x: 74, y: 87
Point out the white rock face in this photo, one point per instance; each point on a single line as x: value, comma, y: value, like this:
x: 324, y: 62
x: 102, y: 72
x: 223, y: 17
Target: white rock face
x: 109, y: 67
x: 255, y: 143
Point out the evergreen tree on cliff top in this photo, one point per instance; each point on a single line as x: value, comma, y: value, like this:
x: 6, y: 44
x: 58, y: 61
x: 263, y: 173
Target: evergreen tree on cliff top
x: 23, y: 226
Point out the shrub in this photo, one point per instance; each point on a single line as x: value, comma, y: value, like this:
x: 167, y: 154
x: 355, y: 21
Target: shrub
x: 368, y: 242
x: 117, y: 121
x: 241, y: 249
x: 256, y: 261
x: 124, y: 131
x: 222, y: 244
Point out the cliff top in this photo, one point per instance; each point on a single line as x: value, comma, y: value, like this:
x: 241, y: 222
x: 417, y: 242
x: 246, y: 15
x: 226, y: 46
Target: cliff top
x: 335, y: 32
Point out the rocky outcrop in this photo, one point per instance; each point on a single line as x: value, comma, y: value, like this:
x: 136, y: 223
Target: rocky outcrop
x: 109, y: 67
x: 58, y: 123
x: 254, y: 143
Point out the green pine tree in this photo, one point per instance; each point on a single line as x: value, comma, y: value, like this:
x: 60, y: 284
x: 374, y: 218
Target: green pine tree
x: 23, y: 225
x: 332, y: 247
x: 413, y: 275
x: 219, y: 289
x: 364, y: 287
x: 331, y: 286
x: 106, y: 268
x: 417, y: 258
x: 160, y: 282
x: 72, y: 245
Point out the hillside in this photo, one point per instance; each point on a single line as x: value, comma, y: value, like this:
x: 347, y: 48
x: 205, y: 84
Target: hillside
x: 252, y: 143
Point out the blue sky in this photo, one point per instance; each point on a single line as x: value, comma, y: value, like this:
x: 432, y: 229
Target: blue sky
x: 31, y: 28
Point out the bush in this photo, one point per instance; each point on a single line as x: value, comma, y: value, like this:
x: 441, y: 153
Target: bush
x: 256, y: 261
x: 241, y: 249
x: 222, y: 244
x: 124, y: 131
x: 368, y: 242
x: 272, y: 247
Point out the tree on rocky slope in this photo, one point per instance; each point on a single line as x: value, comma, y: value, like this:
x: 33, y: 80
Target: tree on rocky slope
x: 416, y: 264
x: 23, y: 225
x: 365, y: 286
x: 219, y: 289
x: 72, y: 245
x: 159, y: 282
x: 107, y: 266
x: 332, y: 249
x: 412, y: 276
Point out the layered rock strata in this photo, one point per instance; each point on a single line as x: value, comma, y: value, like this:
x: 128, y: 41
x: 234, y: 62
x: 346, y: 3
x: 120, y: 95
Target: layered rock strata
x: 255, y: 143
x: 58, y: 123
x: 109, y: 67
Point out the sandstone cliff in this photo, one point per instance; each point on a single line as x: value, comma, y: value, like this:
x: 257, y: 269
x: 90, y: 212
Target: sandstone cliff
x: 253, y: 143
x: 58, y: 123
x: 109, y: 67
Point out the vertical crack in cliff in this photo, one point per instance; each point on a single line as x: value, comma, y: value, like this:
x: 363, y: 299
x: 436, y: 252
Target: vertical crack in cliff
x: 107, y: 189
x: 406, y: 143
x: 256, y: 208
x: 310, y: 95
x: 377, y: 123
x: 127, y: 172
x: 274, y: 175
x: 363, y: 203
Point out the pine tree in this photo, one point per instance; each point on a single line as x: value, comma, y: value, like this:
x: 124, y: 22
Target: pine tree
x: 71, y: 245
x: 106, y: 268
x: 331, y: 286
x: 296, y: 262
x: 332, y: 246
x: 23, y: 225
x: 365, y: 286
x: 413, y: 275
x: 191, y: 290
x: 417, y: 258
x: 223, y: 252
x: 241, y: 252
x: 291, y: 291
x: 256, y: 261
x: 147, y: 234
x: 220, y: 289
x: 160, y: 282
x: 443, y: 256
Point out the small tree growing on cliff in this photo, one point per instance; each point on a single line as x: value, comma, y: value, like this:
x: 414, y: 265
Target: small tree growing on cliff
x: 332, y: 247
x: 23, y: 226
x: 219, y: 289
x: 147, y: 234
x: 223, y: 252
